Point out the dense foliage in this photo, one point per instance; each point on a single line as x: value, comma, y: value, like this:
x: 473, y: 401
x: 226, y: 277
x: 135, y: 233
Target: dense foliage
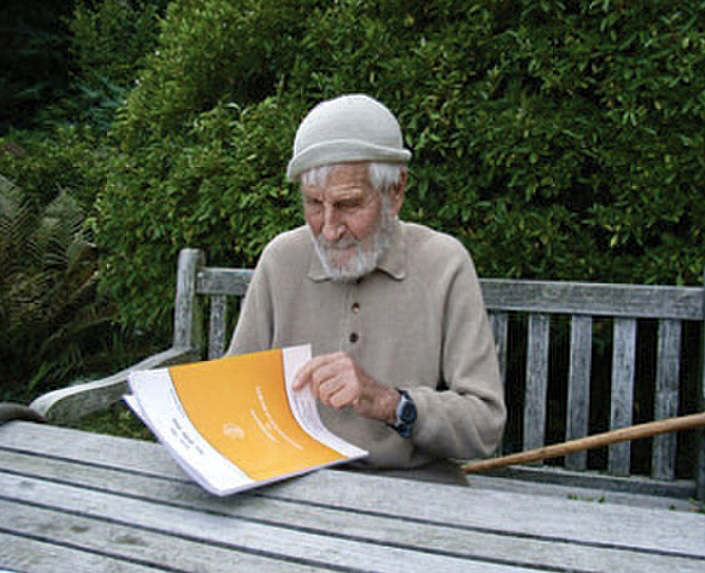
x: 109, y: 42
x: 66, y: 69
x: 559, y: 140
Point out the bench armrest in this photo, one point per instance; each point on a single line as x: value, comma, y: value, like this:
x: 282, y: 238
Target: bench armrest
x: 73, y: 402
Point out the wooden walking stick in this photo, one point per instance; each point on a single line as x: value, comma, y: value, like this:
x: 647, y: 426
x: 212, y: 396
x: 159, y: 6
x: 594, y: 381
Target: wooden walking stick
x: 645, y: 430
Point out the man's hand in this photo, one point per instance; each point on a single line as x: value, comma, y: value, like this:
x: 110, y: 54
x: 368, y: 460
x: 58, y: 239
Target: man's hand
x: 337, y: 381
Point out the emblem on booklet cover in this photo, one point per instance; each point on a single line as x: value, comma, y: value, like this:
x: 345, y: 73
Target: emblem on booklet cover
x: 234, y: 431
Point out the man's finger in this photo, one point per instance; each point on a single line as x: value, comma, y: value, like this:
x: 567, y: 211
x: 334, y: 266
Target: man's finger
x: 302, y: 377
x: 305, y: 373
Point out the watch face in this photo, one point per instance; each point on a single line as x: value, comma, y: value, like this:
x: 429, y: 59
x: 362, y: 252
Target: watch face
x: 406, y: 415
x: 408, y: 412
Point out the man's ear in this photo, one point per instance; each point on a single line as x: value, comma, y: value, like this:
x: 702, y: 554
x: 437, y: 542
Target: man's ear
x: 396, y: 193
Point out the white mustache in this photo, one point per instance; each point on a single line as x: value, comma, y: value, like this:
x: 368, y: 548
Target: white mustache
x: 340, y: 244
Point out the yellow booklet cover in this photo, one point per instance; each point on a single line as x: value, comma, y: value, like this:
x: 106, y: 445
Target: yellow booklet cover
x: 236, y: 423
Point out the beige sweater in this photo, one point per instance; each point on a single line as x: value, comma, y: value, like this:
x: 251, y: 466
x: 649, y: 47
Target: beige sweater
x: 418, y: 323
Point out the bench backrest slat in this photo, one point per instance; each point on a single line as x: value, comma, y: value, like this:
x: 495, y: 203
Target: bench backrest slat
x: 595, y: 299
x: 535, y: 305
x: 579, y: 386
x: 622, y: 391
x: 217, y: 326
x: 536, y: 381
x: 190, y: 261
x: 230, y: 282
x: 667, y: 396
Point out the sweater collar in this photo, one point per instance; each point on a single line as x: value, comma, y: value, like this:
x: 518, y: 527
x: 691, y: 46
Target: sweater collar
x: 393, y: 261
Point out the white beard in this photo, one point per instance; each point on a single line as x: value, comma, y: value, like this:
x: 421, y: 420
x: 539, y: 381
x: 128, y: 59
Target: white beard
x: 367, y: 255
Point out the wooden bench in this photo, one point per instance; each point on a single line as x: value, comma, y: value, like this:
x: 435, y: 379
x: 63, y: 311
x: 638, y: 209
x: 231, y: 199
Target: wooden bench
x: 573, y: 356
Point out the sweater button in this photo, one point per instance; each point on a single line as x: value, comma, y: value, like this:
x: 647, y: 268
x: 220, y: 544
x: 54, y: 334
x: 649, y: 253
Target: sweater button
x: 354, y: 337
x: 355, y: 307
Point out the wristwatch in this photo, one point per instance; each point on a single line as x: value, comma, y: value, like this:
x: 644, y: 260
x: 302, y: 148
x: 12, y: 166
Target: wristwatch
x: 406, y: 414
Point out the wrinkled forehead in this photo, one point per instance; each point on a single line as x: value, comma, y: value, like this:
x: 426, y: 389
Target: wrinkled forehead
x: 339, y: 181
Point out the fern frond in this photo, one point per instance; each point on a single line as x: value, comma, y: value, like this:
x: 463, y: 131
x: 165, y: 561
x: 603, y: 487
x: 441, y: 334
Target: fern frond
x: 19, y: 218
x: 51, y: 316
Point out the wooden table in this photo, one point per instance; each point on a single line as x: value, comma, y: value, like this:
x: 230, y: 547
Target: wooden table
x: 73, y: 501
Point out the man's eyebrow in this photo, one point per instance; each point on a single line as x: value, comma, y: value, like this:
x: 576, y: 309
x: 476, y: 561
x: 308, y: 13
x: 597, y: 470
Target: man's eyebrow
x: 349, y: 199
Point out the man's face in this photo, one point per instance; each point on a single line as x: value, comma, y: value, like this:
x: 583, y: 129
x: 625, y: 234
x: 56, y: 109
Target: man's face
x: 349, y: 221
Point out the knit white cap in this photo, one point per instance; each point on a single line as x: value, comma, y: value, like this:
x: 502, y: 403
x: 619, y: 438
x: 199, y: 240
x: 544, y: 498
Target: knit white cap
x: 345, y: 129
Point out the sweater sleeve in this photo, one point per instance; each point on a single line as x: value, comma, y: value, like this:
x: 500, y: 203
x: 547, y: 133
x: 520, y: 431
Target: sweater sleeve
x: 466, y: 418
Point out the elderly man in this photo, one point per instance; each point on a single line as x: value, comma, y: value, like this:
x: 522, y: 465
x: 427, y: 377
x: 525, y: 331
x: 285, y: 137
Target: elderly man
x: 404, y: 363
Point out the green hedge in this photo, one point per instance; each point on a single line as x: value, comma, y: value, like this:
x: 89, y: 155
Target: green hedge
x: 44, y: 164
x: 558, y: 140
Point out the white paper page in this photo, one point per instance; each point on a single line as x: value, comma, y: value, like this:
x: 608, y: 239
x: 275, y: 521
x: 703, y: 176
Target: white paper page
x: 303, y: 404
x: 158, y: 404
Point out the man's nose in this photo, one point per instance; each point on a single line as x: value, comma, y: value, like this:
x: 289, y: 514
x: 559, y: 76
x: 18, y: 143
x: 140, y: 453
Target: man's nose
x: 333, y: 228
